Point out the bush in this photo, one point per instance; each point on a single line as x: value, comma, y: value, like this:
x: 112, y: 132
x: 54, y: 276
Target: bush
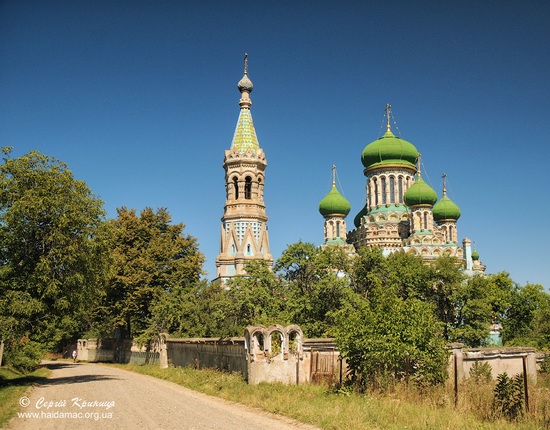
x: 481, y: 372
x: 24, y: 357
x: 509, y: 396
x: 545, y: 365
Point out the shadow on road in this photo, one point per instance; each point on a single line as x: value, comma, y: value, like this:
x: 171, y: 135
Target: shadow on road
x: 77, y: 379
x: 45, y: 381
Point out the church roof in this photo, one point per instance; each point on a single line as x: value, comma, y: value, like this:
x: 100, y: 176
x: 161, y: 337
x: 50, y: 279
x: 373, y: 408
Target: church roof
x: 334, y: 203
x: 245, y: 135
x: 420, y: 194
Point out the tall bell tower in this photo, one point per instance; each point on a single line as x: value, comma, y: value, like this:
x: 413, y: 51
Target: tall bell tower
x: 244, y: 222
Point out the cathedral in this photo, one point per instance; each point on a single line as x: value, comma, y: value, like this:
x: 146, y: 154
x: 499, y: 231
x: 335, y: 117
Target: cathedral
x: 401, y: 211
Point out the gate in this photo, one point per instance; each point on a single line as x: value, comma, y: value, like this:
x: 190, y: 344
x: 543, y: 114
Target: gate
x: 324, y: 366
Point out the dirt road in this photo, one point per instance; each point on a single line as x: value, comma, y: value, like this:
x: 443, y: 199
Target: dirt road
x: 90, y: 396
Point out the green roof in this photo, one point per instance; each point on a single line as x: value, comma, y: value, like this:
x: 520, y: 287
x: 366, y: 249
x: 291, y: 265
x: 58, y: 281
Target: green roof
x: 389, y: 149
x: 334, y: 203
x: 445, y: 209
x: 245, y: 134
x: 420, y: 193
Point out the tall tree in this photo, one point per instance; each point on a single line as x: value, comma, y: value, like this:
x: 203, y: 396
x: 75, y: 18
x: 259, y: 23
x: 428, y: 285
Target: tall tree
x: 53, y: 255
x: 151, y: 256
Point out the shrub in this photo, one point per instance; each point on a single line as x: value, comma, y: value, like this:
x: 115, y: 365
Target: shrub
x: 481, y: 372
x: 509, y: 396
x: 25, y: 357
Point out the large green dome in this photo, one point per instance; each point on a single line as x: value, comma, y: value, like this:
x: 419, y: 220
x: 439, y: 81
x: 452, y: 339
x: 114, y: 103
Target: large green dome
x: 334, y: 203
x: 420, y: 194
x: 389, y: 149
x: 445, y: 210
x: 475, y: 255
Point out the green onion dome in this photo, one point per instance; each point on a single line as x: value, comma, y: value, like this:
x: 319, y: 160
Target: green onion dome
x: 445, y: 210
x: 475, y: 255
x: 389, y: 149
x: 420, y: 194
x: 334, y: 203
x: 357, y: 219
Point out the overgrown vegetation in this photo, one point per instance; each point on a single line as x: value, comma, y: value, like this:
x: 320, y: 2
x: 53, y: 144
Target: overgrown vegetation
x: 398, y: 408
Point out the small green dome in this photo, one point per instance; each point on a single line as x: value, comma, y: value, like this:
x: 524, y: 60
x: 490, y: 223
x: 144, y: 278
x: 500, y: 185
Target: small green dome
x: 334, y: 203
x: 445, y: 210
x: 475, y: 255
x: 420, y: 193
x: 389, y: 149
x: 357, y: 219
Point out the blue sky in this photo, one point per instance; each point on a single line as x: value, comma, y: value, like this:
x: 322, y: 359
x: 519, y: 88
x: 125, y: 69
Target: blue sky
x: 139, y: 98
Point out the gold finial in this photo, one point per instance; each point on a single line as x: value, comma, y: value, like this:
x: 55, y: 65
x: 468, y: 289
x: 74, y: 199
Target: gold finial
x: 418, y: 163
x: 334, y: 175
x: 388, y: 115
x: 444, y: 176
x: 245, y: 63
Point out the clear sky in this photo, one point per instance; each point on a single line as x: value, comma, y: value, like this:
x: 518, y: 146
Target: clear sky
x: 139, y: 98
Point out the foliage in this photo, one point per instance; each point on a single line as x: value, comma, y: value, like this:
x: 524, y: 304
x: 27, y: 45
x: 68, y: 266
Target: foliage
x: 153, y: 261
x: 526, y: 321
x: 545, y: 365
x: 24, y: 357
x: 385, y: 337
x: 509, y: 396
x: 53, y: 255
x: 481, y: 372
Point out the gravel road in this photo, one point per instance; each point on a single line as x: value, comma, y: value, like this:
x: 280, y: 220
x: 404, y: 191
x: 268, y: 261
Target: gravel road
x: 91, y: 396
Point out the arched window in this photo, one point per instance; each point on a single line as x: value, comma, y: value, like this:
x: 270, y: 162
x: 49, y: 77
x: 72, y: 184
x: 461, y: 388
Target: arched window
x: 392, y: 189
x: 236, y: 185
x: 426, y: 220
x: 248, y: 188
x: 337, y: 228
x: 400, y: 189
x: 384, y: 197
x: 375, y: 192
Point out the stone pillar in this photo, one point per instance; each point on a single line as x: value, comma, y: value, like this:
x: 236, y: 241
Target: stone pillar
x: 163, y: 351
x: 456, y: 353
x: 467, y: 245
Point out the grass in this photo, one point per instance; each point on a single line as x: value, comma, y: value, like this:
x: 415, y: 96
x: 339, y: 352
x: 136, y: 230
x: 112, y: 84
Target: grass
x: 13, y: 385
x: 328, y: 409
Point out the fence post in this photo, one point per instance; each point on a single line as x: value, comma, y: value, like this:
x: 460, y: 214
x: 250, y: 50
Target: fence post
x: 525, y: 385
x: 455, y: 359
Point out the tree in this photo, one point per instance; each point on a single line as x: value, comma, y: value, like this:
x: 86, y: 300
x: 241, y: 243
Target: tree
x: 528, y: 305
x: 386, y: 338
x: 445, y: 281
x: 53, y: 254
x: 151, y: 257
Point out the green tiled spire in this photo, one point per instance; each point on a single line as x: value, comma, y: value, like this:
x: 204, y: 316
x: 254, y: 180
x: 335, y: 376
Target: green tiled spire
x: 245, y: 134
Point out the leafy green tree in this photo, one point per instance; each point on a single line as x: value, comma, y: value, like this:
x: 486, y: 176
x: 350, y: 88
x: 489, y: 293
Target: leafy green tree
x: 316, y: 283
x: 151, y: 257
x: 527, y: 305
x: 473, y: 307
x: 446, y: 279
x: 53, y: 253
x: 386, y: 338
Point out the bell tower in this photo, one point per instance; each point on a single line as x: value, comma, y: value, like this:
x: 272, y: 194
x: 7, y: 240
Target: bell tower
x: 244, y: 222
